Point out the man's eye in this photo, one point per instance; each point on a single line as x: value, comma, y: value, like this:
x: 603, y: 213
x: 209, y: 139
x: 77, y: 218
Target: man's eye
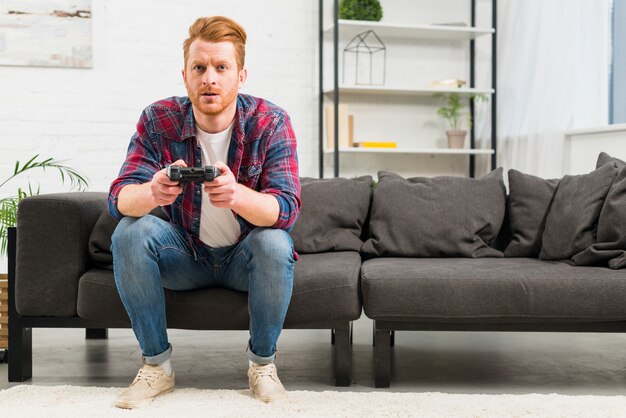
x: 222, y: 67
x: 198, y: 68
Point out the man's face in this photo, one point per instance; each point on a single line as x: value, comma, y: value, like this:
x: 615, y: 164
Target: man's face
x: 211, y: 76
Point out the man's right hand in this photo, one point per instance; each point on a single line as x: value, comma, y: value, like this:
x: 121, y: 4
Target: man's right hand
x: 138, y: 199
x: 165, y: 191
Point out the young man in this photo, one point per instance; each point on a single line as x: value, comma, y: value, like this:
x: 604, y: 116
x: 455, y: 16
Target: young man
x: 231, y: 232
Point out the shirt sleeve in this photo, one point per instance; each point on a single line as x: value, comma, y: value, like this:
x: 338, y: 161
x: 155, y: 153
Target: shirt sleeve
x: 140, y: 165
x: 280, y: 176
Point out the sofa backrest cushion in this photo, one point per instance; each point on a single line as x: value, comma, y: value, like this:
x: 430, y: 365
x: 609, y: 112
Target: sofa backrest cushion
x: 610, y: 248
x: 333, y: 214
x: 528, y: 204
x: 571, y: 225
x: 435, y: 217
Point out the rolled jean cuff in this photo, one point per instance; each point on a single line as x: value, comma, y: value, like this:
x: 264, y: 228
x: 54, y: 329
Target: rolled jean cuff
x: 159, y: 358
x: 258, y: 359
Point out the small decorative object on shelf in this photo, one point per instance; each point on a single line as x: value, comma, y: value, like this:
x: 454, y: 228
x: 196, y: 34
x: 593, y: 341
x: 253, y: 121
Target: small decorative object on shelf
x: 452, y: 112
x: 360, y: 10
x: 461, y: 24
x: 449, y: 83
x: 366, y: 43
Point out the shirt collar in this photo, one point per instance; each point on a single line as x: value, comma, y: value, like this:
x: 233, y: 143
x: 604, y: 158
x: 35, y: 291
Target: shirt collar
x: 189, y: 126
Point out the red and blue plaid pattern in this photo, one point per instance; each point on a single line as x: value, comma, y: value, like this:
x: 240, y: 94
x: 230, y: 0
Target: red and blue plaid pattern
x: 262, y: 156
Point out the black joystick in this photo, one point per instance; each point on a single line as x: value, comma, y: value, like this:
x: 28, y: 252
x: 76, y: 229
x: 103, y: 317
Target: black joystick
x: 189, y: 174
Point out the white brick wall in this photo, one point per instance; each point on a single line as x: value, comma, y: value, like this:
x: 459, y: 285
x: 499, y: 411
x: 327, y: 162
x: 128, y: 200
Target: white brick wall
x: 87, y: 116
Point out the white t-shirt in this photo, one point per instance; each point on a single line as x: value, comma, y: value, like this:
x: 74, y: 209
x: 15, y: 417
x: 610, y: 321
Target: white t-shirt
x: 218, y: 226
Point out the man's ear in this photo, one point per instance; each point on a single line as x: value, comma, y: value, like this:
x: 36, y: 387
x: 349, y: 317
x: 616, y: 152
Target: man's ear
x: 243, y: 76
x: 183, y: 74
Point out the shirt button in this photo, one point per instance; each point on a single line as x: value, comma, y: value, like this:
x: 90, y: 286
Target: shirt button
x: 196, y: 219
x: 198, y: 192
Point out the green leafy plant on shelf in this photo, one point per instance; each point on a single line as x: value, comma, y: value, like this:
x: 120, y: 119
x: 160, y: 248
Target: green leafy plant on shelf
x: 453, y: 112
x: 9, y: 204
x: 360, y: 10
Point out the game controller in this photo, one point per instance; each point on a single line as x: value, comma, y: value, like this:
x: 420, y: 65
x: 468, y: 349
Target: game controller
x: 189, y: 174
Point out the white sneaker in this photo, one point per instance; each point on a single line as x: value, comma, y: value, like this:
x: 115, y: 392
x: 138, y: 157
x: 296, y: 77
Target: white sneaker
x: 150, y: 382
x: 264, y: 382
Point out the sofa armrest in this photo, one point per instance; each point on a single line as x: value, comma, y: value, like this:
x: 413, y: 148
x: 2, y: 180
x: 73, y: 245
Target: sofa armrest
x: 52, y: 250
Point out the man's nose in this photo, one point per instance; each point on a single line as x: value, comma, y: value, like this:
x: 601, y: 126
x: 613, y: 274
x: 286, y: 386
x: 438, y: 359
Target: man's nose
x: 209, y: 76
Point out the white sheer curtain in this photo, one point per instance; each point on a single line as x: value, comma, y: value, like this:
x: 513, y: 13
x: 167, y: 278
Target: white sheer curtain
x: 553, y: 60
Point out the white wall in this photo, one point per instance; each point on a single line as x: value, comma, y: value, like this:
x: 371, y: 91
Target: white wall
x: 87, y: 116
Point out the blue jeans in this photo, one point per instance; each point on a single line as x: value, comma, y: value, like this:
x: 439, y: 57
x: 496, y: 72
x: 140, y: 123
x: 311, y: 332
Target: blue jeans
x: 150, y: 254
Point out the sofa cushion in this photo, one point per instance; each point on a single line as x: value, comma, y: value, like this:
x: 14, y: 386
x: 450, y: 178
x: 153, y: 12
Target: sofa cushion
x: 610, y: 248
x: 333, y: 214
x: 572, y: 220
x: 490, y: 290
x: 326, y: 288
x: 100, y: 238
x: 529, y: 201
x: 435, y: 217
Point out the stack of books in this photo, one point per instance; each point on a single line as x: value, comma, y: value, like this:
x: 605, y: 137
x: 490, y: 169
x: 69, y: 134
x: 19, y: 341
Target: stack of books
x: 376, y: 144
x: 346, y: 131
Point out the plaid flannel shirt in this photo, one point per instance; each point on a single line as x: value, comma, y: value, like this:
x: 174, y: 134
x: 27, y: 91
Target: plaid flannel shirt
x: 262, y: 156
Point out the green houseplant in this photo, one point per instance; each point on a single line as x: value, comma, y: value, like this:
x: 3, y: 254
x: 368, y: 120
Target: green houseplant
x: 360, y: 10
x: 453, y: 112
x: 9, y: 203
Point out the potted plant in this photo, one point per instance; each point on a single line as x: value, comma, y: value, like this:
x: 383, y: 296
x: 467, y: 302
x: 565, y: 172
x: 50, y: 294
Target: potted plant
x: 453, y: 113
x: 360, y: 10
x: 9, y: 202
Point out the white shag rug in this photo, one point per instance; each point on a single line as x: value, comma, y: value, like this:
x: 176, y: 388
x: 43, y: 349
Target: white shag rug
x: 78, y: 401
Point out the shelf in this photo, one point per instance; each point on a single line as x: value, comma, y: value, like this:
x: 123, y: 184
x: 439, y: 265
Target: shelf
x: 425, y: 91
x: 432, y: 151
x: 394, y: 30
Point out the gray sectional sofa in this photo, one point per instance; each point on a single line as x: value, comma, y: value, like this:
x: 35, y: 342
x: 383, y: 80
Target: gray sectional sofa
x: 416, y: 254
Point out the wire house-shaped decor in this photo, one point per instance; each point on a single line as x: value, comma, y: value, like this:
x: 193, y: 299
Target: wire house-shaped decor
x: 366, y: 43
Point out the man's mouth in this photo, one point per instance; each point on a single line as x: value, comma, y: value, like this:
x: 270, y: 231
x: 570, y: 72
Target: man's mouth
x: 209, y: 94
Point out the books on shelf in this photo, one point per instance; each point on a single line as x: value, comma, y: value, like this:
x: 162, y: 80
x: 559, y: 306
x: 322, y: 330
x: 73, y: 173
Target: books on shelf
x: 376, y: 144
x: 346, y: 127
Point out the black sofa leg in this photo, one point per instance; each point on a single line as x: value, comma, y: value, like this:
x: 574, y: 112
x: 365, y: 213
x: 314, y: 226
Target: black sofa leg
x: 20, y: 354
x: 96, y: 333
x: 342, y: 356
x: 332, y: 335
x: 20, y: 338
x: 382, y: 358
x: 392, y: 339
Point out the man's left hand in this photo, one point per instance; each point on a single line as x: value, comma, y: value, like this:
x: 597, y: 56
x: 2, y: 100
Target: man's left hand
x: 224, y: 190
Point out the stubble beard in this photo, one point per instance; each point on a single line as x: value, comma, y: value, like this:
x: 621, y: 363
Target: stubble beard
x: 212, y: 109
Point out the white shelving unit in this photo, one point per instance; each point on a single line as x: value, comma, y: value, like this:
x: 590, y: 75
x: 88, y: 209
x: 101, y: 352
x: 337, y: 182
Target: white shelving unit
x: 398, y: 91
x: 427, y: 151
x: 360, y: 94
x: 404, y: 31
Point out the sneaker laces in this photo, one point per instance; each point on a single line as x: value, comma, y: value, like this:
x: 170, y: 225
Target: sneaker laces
x: 150, y: 376
x: 266, y: 370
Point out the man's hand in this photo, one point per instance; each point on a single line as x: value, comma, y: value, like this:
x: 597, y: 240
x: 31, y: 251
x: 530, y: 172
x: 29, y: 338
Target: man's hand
x: 223, y: 191
x: 163, y: 190
x: 260, y: 209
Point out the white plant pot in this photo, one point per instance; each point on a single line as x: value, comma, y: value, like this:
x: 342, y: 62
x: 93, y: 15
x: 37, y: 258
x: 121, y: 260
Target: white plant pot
x: 456, y: 139
x: 4, y: 264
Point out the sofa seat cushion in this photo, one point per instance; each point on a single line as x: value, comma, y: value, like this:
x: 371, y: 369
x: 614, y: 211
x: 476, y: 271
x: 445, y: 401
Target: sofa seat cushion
x: 325, y: 289
x: 490, y: 290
